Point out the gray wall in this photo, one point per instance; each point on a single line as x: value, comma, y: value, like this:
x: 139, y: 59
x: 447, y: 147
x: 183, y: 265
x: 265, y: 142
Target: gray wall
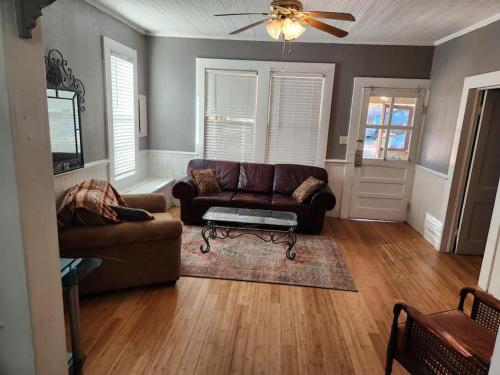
x: 474, y: 53
x: 173, y: 79
x: 76, y: 28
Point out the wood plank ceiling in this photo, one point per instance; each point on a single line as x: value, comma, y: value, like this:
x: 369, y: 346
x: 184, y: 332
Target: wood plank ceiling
x: 378, y: 21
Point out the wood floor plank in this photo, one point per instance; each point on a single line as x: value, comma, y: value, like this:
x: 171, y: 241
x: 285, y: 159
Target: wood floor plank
x: 207, y: 326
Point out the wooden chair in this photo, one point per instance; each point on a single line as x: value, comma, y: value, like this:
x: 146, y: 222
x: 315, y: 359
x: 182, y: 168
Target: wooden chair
x: 448, y: 342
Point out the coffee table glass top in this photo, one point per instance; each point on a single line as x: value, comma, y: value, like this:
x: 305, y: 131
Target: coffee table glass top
x: 251, y: 216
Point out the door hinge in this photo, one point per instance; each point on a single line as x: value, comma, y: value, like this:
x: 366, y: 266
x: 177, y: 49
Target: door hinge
x: 408, y: 206
x: 424, y: 109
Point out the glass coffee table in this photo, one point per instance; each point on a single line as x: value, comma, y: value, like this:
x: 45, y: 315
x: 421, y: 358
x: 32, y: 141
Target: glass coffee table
x: 270, y: 226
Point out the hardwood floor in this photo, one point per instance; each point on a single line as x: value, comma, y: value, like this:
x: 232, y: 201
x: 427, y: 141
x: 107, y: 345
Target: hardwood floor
x: 204, y: 326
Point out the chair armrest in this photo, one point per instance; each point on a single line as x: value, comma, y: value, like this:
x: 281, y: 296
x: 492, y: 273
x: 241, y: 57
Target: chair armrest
x: 323, y: 199
x: 489, y: 314
x: 86, y: 237
x: 184, y: 189
x: 153, y: 202
x: 453, y: 343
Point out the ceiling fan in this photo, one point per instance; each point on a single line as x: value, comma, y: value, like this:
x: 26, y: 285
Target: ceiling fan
x: 288, y: 17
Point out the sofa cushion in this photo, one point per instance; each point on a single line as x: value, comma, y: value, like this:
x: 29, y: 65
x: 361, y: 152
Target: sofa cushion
x: 81, y: 237
x: 288, y: 177
x: 221, y: 199
x: 281, y: 202
x: 256, y: 178
x: 252, y: 200
x: 227, y: 172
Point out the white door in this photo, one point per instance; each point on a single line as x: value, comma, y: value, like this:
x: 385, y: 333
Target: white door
x: 389, y: 131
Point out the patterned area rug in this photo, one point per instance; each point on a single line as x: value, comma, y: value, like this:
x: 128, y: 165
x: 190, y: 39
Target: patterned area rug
x: 318, y: 262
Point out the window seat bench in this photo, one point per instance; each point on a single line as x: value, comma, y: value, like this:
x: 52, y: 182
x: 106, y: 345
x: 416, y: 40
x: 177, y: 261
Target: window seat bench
x: 152, y: 185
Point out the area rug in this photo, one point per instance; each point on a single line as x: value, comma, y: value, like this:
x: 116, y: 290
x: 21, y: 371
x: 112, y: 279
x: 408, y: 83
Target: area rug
x: 318, y: 261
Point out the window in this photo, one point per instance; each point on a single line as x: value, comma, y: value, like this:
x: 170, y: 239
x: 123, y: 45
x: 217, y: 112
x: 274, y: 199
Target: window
x: 256, y: 111
x: 389, y: 126
x: 294, y: 118
x: 121, y: 92
x: 230, y: 106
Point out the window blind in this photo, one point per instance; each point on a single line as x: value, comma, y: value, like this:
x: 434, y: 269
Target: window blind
x: 123, y: 116
x: 230, y: 109
x: 294, y: 119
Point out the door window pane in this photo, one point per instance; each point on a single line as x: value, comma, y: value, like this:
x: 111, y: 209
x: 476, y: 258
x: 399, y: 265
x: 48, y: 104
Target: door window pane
x: 399, y: 144
x: 374, y: 143
x: 403, y: 111
x: 378, y: 110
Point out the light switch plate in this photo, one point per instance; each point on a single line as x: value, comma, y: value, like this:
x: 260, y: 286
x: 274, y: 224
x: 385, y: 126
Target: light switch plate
x: 343, y: 140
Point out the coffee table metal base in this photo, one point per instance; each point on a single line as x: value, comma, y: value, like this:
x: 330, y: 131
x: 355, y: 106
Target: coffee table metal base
x: 212, y: 232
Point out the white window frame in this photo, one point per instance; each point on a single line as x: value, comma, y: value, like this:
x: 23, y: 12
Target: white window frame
x: 264, y: 69
x: 113, y: 47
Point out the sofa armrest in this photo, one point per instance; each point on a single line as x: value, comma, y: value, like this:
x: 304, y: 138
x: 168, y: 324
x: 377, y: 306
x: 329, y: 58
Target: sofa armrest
x: 184, y: 189
x: 153, y: 202
x: 323, y: 199
x: 86, y: 237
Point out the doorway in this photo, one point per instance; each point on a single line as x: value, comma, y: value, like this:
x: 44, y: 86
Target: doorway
x: 483, y: 173
x: 385, y: 129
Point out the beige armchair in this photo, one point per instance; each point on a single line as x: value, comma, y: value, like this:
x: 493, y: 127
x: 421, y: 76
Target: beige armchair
x: 133, y: 253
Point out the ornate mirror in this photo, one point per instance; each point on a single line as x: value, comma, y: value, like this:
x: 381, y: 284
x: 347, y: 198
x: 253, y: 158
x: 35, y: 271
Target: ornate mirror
x: 65, y: 99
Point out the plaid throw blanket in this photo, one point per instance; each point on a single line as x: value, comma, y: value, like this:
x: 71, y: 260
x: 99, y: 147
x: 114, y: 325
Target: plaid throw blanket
x: 93, y: 195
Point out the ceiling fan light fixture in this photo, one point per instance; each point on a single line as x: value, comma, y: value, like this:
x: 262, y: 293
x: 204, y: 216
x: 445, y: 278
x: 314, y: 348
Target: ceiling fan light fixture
x: 292, y: 29
x: 273, y: 28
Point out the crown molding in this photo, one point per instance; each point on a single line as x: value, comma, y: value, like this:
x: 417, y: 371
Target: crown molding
x: 268, y: 39
x: 110, y: 12
x: 468, y: 29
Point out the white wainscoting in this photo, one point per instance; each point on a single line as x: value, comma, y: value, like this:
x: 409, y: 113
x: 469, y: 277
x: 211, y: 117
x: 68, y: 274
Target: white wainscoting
x: 336, y: 176
x: 97, y: 169
x: 169, y: 164
x: 173, y: 165
x: 427, y: 202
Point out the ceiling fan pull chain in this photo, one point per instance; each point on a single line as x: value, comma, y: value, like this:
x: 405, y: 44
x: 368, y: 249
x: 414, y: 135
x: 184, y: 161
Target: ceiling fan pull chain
x: 283, y: 55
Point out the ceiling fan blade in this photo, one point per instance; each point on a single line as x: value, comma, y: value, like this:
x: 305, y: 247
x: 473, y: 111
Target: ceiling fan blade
x: 331, y: 15
x: 323, y: 27
x: 238, y: 14
x: 248, y: 27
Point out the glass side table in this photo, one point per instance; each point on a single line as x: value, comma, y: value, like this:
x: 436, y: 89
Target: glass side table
x: 74, y: 270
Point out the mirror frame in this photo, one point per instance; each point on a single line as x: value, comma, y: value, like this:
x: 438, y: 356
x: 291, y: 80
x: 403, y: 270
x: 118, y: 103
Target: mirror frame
x: 60, y: 77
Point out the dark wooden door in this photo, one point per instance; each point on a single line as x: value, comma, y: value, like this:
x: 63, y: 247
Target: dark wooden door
x: 483, y: 180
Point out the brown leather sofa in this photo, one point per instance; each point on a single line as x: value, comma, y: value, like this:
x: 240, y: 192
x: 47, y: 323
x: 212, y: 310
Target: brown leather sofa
x: 252, y: 185
x: 133, y: 253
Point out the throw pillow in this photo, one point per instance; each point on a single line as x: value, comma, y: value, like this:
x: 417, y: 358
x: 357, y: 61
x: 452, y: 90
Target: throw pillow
x: 205, y: 181
x: 306, y: 189
x: 132, y: 214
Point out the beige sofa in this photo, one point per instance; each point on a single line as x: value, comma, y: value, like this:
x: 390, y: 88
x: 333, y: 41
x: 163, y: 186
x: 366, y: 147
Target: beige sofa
x: 133, y: 253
